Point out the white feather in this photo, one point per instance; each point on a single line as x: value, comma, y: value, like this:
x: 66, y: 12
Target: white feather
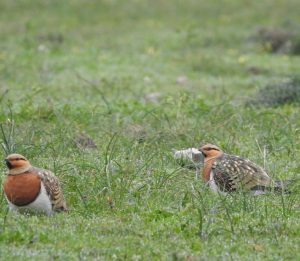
x: 190, y: 155
x: 186, y: 154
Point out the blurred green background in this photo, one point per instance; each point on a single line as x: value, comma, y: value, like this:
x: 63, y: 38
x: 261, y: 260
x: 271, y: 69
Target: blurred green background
x: 100, y: 92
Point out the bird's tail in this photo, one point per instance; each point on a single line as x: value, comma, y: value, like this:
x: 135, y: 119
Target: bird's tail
x: 281, y: 186
x: 287, y: 186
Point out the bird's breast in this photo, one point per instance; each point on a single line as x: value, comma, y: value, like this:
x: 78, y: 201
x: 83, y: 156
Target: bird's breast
x: 207, y: 170
x: 22, y: 189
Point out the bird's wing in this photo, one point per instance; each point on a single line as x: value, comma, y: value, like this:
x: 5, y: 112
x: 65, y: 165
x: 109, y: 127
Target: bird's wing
x: 233, y: 172
x: 53, y: 188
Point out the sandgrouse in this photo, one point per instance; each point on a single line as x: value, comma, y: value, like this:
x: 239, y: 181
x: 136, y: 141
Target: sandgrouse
x: 31, y: 189
x: 227, y: 173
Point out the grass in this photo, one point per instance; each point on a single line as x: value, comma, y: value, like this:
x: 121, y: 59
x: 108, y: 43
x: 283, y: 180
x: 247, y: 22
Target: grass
x: 74, y: 67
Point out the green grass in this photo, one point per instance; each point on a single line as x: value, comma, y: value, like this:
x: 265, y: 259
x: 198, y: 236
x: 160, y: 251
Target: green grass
x: 86, y: 67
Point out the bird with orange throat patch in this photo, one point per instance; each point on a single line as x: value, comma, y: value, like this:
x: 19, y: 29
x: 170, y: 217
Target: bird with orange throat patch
x: 227, y: 173
x: 28, y: 188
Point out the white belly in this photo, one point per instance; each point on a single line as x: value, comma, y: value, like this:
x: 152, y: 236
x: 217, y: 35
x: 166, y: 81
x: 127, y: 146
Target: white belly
x: 41, y: 204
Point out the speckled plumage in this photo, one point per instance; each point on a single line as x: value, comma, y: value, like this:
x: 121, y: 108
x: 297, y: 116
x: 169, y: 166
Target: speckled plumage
x: 52, y: 187
x: 233, y: 172
x: 230, y: 173
x: 31, y: 188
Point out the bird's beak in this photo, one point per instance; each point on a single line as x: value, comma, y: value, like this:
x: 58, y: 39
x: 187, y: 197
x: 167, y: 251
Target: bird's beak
x: 8, y: 164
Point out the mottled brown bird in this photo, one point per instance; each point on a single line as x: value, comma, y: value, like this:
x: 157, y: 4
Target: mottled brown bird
x: 28, y: 188
x: 227, y: 173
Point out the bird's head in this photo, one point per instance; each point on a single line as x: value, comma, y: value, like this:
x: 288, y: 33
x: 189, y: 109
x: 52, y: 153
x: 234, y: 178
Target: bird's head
x: 210, y: 151
x: 17, y: 164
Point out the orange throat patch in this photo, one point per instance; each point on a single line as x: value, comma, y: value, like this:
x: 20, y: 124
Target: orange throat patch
x: 208, y: 162
x: 207, y: 169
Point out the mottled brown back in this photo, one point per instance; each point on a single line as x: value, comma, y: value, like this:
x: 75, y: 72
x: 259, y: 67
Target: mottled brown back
x: 233, y: 172
x: 53, y: 189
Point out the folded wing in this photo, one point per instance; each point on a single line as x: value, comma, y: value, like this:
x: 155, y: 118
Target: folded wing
x: 233, y: 172
x: 53, y: 189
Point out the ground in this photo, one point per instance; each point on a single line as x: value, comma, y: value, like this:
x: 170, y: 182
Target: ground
x: 100, y: 92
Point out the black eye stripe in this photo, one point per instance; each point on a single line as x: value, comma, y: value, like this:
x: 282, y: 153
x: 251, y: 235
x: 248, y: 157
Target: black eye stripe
x: 212, y: 149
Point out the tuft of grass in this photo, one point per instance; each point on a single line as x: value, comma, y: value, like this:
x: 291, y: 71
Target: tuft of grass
x: 7, y: 135
x: 284, y: 92
x: 278, y: 40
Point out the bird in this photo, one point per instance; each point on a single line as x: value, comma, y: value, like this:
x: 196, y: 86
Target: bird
x: 226, y: 173
x: 31, y: 189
